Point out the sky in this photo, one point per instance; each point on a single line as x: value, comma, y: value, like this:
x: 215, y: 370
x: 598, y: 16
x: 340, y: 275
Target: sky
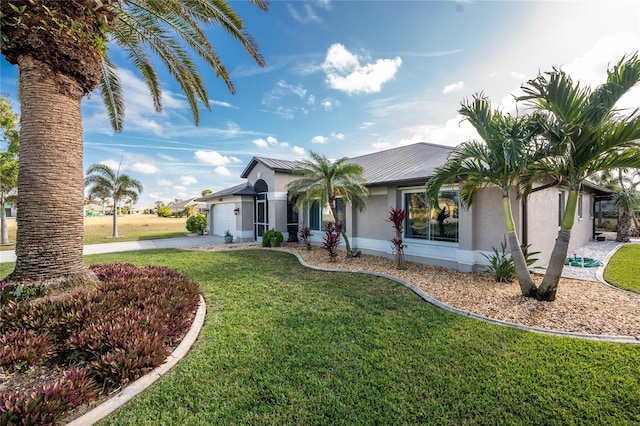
x: 347, y: 78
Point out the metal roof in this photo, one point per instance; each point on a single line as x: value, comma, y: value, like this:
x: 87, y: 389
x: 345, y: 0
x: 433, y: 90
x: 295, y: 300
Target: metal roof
x: 240, y: 189
x: 405, y: 164
x: 272, y: 163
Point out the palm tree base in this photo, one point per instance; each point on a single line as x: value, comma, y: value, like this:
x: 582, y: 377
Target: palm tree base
x: 39, y: 286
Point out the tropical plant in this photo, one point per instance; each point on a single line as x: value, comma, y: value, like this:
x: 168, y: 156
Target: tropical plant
x: 397, y: 217
x: 331, y: 239
x: 206, y: 192
x: 61, y: 50
x: 626, y: 200
x: 498, y: 160
x: 324, y: 180
x: 272, y: 238
x: 162, y: 210
x: 305, y: 234
x: 8, y: 162
x: 501, y: 264
x: 189, y: 210
x: 582, y: 133
x: 103, y: 179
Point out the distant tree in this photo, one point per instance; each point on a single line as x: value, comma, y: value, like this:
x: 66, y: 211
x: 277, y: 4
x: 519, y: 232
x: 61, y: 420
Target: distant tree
x: 190, y: 210
x: 323, y: 180
x: 103, y: 179
x: 8, y: 162
x: 583, y: 134
x: 206, y: 192
x: 162, y: 210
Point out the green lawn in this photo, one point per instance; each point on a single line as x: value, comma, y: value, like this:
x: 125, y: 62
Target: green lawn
x: 285, y: 345
x: 623, y: 270
x: 130, y: 228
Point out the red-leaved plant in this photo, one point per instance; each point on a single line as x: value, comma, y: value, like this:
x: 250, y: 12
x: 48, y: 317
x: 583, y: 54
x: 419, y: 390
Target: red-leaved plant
x: 332, y: 238
x: 397, y: 217
x: 305, y: 234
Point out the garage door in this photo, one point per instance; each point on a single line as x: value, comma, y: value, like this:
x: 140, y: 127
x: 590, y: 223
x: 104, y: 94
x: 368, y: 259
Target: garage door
x: 223, y: 218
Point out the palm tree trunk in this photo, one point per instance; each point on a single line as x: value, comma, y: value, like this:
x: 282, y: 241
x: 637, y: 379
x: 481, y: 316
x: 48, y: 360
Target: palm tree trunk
x: 342, y: 230
x: 527, y: 286
x: 49, y: 243
x: 549, y: 286
x: 624, y: 226
x: 115, y: 219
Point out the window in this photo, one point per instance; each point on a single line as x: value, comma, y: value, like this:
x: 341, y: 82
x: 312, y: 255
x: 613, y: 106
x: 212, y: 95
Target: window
x: 430, y: 223
x: 560, y: 207
x: 319, y: 217
x: 580, y: 206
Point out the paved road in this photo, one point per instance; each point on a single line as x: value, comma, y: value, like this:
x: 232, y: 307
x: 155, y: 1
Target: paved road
x: 201, y: 241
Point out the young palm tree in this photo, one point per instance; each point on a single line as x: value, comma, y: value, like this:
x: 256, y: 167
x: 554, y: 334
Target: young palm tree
x: 8, y: 162
x: 626, y: 200
x: 321, y: 179
x: 584, y: 134
x: 498, y: 160
x: 103, y: 179
x: 61, y: 48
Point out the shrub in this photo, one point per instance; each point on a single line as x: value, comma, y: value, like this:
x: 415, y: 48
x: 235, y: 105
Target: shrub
x: 332, y: 239
x: 270, y: 235
x: 197, y: 223
x: 47, y: 405
x: 501, y: 264
x: 121, y: 329
x: 305, y: 234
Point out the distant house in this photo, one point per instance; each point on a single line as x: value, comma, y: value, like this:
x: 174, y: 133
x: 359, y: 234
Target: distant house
x: 448, y: 236
x: 177, y: 208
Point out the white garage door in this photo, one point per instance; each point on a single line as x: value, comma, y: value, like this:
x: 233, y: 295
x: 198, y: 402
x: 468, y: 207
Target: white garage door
x: 223, y: 218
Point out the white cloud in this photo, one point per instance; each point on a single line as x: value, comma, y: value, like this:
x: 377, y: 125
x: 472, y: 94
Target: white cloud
x: 281, y: 90
x: 379, y: 146
x: 366, y: 125
x: 214, y: 158
x: 114, y: 165
x: 144, y: 168
x: 319, y: 139
x: 452, y: 133
x: 345, y: 73
x: 270, y: 141
x: 179, y: 188
x: 298, y: 150
x: 166, y: 157
x: 260, y: 143
x: 164, y: 182
x: 311, y: 100
x: 339, y: 136
x: 453, y: 87
x: 221, y: 171
x: 188, y: 180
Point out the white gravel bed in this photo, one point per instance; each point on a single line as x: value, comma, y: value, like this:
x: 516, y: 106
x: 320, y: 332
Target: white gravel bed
x: 598, y: 250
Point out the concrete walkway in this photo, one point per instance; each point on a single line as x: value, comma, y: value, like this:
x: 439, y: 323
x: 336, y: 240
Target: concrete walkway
x: 183, y: 242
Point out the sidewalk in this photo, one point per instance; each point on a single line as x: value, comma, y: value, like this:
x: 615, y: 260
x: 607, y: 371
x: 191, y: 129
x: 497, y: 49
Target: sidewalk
x: 183, y: 242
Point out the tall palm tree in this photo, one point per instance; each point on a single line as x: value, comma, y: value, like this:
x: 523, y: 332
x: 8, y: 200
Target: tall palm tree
x: 584, y: 134
x: 626, y: 200
x: 8, y: 162
x: 498, y: 160
x: 321, y: 179
x: 61, y: 50
x: 103, y: 179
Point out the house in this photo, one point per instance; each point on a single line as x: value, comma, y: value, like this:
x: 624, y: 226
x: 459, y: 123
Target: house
x: 178, y: 208
x: 449, y: 236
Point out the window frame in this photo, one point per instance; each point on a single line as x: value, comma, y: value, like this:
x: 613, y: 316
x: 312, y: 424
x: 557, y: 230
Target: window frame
x: 430, y: 237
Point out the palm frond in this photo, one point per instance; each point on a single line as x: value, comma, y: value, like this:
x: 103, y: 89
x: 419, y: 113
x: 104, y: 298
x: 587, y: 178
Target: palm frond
x: 111, y: 91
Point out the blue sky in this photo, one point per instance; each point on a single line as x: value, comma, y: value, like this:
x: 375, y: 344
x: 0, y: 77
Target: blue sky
x: 346, y: 78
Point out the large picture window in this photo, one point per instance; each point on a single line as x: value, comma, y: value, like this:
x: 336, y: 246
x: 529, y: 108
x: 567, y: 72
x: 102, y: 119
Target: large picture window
x: 319, y: 217
x: 429, y: 223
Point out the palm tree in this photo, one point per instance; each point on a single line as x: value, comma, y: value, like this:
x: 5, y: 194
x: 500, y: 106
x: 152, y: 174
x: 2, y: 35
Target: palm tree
x: 626, y: 200
x: 321, y: 179
x: 498, y: 160
x: 103, y: 179
x: 584, y: 133
x: 8, y: 163
x: 61, y: 50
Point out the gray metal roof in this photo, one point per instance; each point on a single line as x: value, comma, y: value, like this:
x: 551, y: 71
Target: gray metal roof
x: 240, y: 189
x: 405, y: 164
x: 272, y: 163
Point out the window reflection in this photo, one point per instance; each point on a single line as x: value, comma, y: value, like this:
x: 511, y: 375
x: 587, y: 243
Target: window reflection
x: 430, y: 223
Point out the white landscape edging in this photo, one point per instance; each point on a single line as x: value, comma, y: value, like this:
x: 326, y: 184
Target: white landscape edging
x: 128, y: 393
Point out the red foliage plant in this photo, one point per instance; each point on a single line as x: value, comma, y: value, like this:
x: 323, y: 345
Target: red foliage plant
x: 397, y: 217
x: 332, y: 238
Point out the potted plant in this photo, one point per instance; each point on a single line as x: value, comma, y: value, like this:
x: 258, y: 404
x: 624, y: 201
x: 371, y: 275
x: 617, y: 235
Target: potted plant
x: 228, y: 236
x: 197, y: 224
x: 272, y: 238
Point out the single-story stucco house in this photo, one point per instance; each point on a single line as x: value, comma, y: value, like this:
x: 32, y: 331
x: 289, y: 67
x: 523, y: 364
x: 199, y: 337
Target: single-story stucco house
x: 177, y: 208
x: 450, y: 236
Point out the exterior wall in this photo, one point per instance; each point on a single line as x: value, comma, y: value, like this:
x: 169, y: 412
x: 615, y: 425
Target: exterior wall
x: 543, y: 226
x: 243, y: 229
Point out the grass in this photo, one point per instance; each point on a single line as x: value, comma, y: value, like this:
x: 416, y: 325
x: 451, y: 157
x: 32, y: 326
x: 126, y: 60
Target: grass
x: 623, y: 269
x: 286, y: 345
x: 130, y: 228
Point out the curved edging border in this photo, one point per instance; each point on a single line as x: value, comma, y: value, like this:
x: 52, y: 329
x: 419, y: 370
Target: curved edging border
x: 435, y: 302
x: 127, y: 394
x: 605, y: 262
